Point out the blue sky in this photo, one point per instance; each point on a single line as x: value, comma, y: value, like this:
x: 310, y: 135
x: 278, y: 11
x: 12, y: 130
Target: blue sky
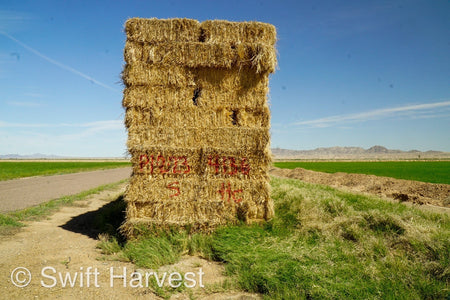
x: 350, y: 73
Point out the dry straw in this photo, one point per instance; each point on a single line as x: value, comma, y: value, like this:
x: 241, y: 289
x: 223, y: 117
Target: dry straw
x: 197, y: 54
x: 218, y: 117
x: 189, y: 137
x: 173, y: 162
x: 198, y: 122
x: 181, y: 98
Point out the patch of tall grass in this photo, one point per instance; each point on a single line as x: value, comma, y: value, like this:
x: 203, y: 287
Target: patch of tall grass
x: 322, y: 244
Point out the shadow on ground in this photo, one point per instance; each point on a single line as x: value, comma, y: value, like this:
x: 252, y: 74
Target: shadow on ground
x: 105, y: 220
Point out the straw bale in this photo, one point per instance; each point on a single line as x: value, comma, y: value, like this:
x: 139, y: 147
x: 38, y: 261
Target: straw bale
x: 142, y: 74
x: 148, y: 96
x: 254, y: 117
x: 179, y: 98
x: 259, y: 56
x: 188, y: 30
x: 220, y: 31
x: 230, y: 193
x: 240, y: 80
x: 157, y: 30
x: 165, y: 162
x: 199, y: 213
x: 204, y: 117
x: 198, y: 122
x: 176, y: 212
x: 234, y: 98
x: 189, y: 137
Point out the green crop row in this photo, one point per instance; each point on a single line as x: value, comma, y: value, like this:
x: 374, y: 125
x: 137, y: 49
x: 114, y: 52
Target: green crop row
x: 426, y: 171
x: 12, y: 170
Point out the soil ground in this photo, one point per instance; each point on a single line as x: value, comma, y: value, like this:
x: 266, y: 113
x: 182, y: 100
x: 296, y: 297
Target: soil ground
x: 58, y: 243
x: 398, y: 189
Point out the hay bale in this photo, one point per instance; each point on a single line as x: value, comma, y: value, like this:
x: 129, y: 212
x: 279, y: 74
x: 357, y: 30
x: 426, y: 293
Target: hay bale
x: 198, y: 122
x: 219, y: 31
x: 259, y: 56
x: 143, y: 74
x: 189, y: 137
x: 173, y: 162
x: 158, y: 116
x: 210, y: 96
x: 157, y: 31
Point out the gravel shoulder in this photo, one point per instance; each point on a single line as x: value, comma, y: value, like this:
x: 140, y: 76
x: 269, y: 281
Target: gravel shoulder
x: 24, y: 192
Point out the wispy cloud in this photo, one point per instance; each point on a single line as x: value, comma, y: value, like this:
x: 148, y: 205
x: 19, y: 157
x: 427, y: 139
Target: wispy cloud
x: 417, y: 110
x: 59, y: 64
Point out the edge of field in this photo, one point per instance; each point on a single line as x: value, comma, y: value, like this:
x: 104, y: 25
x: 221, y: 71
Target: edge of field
x: 408, y: 172
x: 24, y: 173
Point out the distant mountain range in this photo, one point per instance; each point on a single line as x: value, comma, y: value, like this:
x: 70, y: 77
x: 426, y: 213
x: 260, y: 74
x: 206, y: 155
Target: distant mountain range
x: 375, y: 152
x: 355, y: 152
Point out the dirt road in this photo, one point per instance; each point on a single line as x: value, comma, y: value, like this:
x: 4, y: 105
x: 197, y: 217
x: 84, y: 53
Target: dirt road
x: 21, y: 193
x: 61, y: 257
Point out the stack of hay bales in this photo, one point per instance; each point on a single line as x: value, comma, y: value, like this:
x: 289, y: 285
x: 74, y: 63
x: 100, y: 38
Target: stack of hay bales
x: 198, y: 122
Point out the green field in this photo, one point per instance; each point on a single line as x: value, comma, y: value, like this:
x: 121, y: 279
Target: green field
x: 322, y: 244
x: 426, y: 171
x: 11, y: 170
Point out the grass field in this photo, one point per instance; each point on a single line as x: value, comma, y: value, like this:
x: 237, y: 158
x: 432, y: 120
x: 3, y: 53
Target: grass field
x: 426, y: 171
x: 322, y: 244
x: 11, y: 170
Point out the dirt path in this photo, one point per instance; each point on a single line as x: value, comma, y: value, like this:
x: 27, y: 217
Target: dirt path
x: 398, y: 189
x: 21, y: 193
x: 65, y: 244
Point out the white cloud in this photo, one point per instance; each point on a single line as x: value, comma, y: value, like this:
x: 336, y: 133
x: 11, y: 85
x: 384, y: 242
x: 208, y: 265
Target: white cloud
x: 411, y: 111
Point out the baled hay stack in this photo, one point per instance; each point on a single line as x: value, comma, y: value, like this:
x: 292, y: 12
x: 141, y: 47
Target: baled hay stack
x: 198, y: 122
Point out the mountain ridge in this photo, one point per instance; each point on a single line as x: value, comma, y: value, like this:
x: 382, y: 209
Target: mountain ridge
x: 376, y: 151
x: 336, y: 152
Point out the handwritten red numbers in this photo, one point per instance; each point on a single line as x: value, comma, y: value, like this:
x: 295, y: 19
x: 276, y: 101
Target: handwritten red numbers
x: 173, y: 186
x: 245, y: 166
x: 218, y: 165
x: 144, y: 161
x: 161, y: 165
x: 228, y: 194
x: 226, y: 165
